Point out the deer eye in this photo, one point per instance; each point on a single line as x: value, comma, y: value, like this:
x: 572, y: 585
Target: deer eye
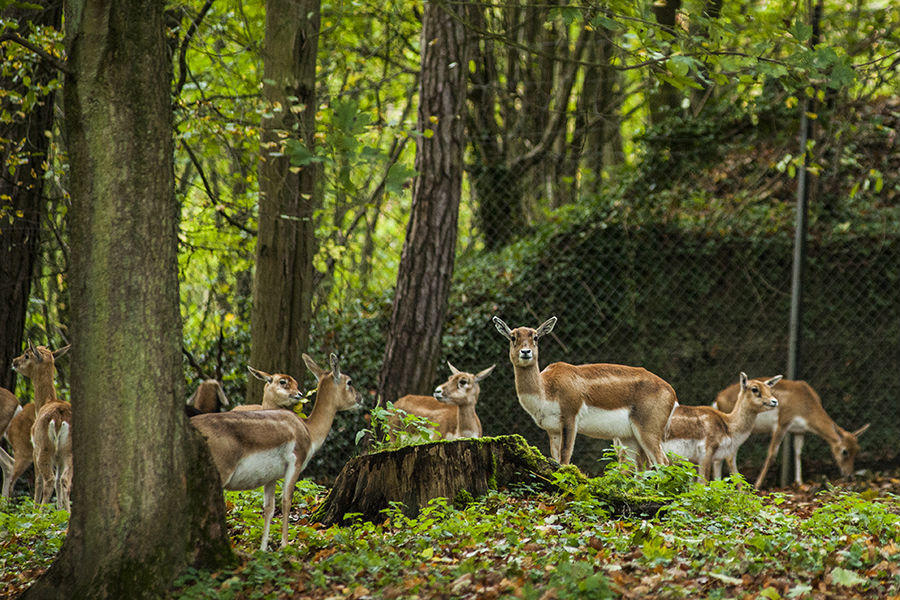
x: 845, y: 452
x: 283, y: 382
x: 755, y: 390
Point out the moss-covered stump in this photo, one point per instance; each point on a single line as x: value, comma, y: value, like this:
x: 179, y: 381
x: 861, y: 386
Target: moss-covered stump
x: 413, y: 475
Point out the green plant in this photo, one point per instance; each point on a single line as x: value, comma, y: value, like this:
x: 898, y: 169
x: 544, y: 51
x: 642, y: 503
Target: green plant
x: 391, y: 428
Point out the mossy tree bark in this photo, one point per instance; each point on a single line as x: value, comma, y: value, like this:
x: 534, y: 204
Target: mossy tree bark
x: 413, y: 475
x: 283, y: 280
x: 459, y: 470
x: 23, y: 155
x: 426, y: 262
x: 146, y: 500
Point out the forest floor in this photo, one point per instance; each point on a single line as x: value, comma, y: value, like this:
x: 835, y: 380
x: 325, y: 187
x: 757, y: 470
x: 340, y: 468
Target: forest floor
x: 822, y: 540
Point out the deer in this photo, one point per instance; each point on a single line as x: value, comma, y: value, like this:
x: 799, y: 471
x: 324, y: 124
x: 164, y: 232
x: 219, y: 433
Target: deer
x: 452, y: 407
x: 280, y: 391
x: 52, y: 443
x: 37, y: 363
x: 605, y: 401
x: 703, y: 434
x: 9, y: 407
x: 799, y: 411
x: 208, y: 397
x: 256, y: 448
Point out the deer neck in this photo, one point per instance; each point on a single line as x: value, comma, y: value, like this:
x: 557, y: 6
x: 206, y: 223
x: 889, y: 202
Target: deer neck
x: 44, y: 389
x: 529, y: 387
x: 322, y: 415
x: 742, y: 418
x: 269, y: 404
x: 467, y: 419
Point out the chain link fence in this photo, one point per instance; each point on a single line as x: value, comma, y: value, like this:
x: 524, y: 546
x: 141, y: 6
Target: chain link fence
x: 691, y: 279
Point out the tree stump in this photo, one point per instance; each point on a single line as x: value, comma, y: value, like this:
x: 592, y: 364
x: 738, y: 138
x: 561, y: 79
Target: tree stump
x: 413, y: 475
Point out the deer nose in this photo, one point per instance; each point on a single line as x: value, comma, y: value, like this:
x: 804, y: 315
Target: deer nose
x: 438, y: 393
x: 526, y: 353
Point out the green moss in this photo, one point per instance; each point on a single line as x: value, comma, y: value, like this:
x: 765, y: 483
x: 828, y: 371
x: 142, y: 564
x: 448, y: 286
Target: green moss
x: 462, y: 500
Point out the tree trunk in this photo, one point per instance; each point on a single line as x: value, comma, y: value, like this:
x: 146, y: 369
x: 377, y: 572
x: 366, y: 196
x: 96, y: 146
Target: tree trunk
x: 22, y: 204
x: 426, y: 263
x: 665, y: 99
x: 459, y: 471
x: 283, y: 281
x: 146, y: 499
x: 413, y: 475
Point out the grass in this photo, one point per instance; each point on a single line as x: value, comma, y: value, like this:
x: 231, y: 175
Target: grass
x: 709, y: 541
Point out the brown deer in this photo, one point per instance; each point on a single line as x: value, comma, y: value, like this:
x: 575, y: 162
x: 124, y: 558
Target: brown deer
x: 37, y: 363
x: 256, y: 448
x: 702, y: 434
x: 9, y: 406
x: 280, y: 391
x: 208, y: 397
x: 799, y: 411
x: 53, y: 453
x: 452, y: 407
x: 603, y: 401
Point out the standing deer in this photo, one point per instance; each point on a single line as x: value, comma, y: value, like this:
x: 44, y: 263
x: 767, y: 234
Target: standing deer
x: 53, y: 453
x: 256, y: 448
x: 38, y: 364
x: 452, y: 407
x: 599, y: 400
x: 9, y: 407
x: 280, y: 391
x: 799, y: 411
x: 702, y: 434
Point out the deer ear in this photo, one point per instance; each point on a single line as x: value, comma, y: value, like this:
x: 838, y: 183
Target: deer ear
x: 774, y: 380
x: 313, y: 367
x: 484, y: 373
x: 220, y: 392
x: 502, y: 327
x: 61, y: 351
x: 35, y: 353
x: 545, y: 328
x: 260, y: 374
x: 335, y: 366
x: 743, y: 381
x: 861, y: 430
x: 453, y: 369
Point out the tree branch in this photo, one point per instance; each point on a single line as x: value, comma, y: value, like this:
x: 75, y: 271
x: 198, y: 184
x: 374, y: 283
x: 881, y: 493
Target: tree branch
x: 60, y: 65
x: 212, y: 195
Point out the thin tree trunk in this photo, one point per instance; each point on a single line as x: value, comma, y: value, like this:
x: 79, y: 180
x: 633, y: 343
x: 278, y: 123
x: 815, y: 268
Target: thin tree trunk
x: 23, y: 211
x: 426, y: 263
x: 146, y: 499
x: 283, y: 281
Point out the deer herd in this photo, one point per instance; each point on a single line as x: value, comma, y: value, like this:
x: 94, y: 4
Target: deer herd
x: 254, y: 446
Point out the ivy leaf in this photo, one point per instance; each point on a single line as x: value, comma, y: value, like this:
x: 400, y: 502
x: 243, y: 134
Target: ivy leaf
x: 846, y: 578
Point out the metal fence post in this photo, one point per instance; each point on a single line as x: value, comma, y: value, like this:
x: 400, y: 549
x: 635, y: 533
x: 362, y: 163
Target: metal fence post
x: 799, y: 249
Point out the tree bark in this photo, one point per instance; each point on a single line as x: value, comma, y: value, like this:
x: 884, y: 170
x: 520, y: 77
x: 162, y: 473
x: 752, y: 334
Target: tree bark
x: 413, y: 475
x: 22, y: 203
x: 283, y: 280
x: 665, y: 99
x: 426, y: 263
x: 459, y: 471
x: 146, y: 499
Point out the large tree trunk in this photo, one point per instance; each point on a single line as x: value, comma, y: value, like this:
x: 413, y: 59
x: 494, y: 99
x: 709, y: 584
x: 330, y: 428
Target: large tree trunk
x: 22, y: 202
x: 665, y: 99
x: 146, y: 499
x: 283, y: 281
x: 426, y: 263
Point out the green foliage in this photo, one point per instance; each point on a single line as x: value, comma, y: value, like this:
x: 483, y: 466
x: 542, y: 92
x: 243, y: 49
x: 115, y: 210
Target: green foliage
x: 30, y: 535
x: 392, y: 428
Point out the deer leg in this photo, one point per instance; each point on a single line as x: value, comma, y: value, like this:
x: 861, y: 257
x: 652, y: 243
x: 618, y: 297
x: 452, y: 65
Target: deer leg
x: 555, y: 443
x: 6, y: 465
x: 567, y: 441
x: 774, y: 443
x: 651, y: 445
x: 798, y: 449
x: 20, y: 463
x: 286, y: 495
x: 268, y: 511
